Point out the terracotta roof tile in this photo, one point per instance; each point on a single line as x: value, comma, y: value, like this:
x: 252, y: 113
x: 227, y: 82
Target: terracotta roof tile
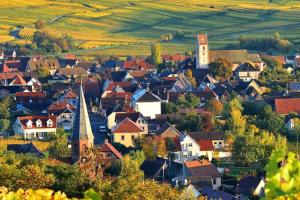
x: 127, y: 126
x: 44, y: 120
x: 107, y: 147
x: 205, y: 145
x: 285, y: 106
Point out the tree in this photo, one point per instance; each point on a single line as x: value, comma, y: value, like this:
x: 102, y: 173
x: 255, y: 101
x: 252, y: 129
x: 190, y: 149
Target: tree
x: 190, y: 123
x: 215, y: 106
x: 236, y: 123
x: 153, y: 146
x: 4, y: 124
x: 188, y: 101
x: 155, y: 54
x: 269, y: 120
x: 39, y: 24
x: 59, y: 145
x: 283, y: 176
x: 190, y: 77
x: 221, y: 68
x: 169, y: 108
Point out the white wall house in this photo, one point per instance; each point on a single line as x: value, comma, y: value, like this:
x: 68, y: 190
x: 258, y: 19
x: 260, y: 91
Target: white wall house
x: 35, y: 127
x: 146, y: 103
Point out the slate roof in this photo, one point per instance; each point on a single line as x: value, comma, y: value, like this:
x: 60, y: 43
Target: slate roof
x: 118, y: 76
x: 151, y: 168
x: 206, y: 136
x: 25, y: 148
x: 294, y: 86
x: 216, y: 194
x: 166, y: 126
x: 248, y: 184
x: 247, y: 67
x: 134, y: 116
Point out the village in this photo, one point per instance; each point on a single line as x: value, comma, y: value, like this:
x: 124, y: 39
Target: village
x: 206, y: 122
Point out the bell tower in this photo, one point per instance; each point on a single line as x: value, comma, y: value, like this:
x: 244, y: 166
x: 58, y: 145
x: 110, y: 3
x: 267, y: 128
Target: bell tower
x: 202, y: 52
x: 82, y: 137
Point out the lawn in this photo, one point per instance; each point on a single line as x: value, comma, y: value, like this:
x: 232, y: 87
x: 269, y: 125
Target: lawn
x: 113, y: 26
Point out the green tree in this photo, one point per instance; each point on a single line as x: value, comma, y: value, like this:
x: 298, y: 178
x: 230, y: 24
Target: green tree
x: 59, y: 145
x: 221, y: 68
x: 169, y: 108
x: 4, y: 124
x: 156, y: 54
x: 215, y: 106
x: 269, y: 120
x: 283, y: 176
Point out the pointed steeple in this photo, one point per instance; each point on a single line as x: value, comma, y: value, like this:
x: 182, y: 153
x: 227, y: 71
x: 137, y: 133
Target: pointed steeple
x: 82, y: 137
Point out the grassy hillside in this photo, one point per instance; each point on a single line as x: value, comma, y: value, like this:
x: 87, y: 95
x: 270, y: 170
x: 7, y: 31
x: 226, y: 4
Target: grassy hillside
x: 102, y: 26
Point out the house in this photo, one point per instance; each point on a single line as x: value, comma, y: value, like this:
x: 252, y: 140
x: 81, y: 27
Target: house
x: 246, y: 72
x: 58, y: 78
x: 51, y: 64
x: 285, y: 106
x: 73, y: 72
x: 176, y: 58
x: 139, y: 64
x: 296, y: 63
x: 126, y: 86
x: 190, y: 149
x: 25, y: 148
x: 117, y: 117
x: 207, y: 82
x: 65, y: 113
x: 120, y: 76
x: 34, y: 102
x: 212, y: 194
x: 201, y: 173
x: 155, y: 124
x: 250, y: 88
x: 146, y: 103
x: 126, y: 131
x: 70, y: 97
x: 168, y: 131
x: 289, y: 59
x: 290, y: 124
x: 251, y: 186
x: 107, y: 154
x: 217, y: 138
x: 182, y: 84
x: 35, y: 127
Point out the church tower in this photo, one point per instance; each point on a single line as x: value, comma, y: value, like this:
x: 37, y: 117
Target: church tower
x: 82, y: 137
x: 202, y: 57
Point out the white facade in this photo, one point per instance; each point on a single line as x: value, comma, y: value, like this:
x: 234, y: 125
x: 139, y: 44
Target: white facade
x: 216, y: 183
x: 148, y: 109
x: 189, y: 147
x: 34, y: 132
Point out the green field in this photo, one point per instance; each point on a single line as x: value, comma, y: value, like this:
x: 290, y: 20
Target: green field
x: 125, y: 27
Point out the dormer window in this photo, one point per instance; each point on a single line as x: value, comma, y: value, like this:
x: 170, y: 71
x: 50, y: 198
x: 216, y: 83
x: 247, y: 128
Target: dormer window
x: 38, y: 123
x: 49, y: 123
x: 29, y: 124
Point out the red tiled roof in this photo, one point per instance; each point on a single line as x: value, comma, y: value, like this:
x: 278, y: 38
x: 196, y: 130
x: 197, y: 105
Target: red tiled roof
x: 170, y: 78
x: 205, y: 145
x: 70, y: 56
x: 30, y: 94
x: 196, y: 163
x: 44, y: 120
x: 127, y: 126
x: 70, y: 95
x: 202, y: 39
x: 138, y: 73
x: 60, y: 105
x: 107, y: 147
x: 18, y: 81
x: 285, y: 106
x: 139, y: 64
x: 124, y: 84
x: 10, y: 75
x: 175, y: 57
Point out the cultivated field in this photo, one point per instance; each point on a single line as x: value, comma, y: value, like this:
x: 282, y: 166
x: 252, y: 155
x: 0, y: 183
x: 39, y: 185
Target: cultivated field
x: 129, y: 26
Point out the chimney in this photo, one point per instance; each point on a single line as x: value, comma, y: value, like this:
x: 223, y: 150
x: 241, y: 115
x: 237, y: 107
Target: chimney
x: 105, y: 141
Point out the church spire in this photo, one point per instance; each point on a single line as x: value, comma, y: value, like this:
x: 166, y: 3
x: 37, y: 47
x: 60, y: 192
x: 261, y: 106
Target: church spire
x: 82, y: 137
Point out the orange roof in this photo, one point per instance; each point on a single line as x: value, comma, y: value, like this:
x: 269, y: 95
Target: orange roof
x: 18, y: 81
x: 138, y: 64
x: 205, y: 145
x: 107, y: 147
x: 60, y: 105
x: 138, y: 73
x: 124, y: 84
x: 196, y: 163
x: 10, y: 75
x: 126, y: 95
x: 175, y: 57
x: 44, y: 120
x: 70, y: 95
x: 127, y: 126
x: 285, y: 106
x: 202, y: 39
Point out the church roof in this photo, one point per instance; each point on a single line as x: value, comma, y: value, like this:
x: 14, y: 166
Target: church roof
x: 82, y: 125
x: 202, y: 39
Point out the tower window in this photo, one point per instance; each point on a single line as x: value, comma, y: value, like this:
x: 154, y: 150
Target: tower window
x: 203, y: 48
